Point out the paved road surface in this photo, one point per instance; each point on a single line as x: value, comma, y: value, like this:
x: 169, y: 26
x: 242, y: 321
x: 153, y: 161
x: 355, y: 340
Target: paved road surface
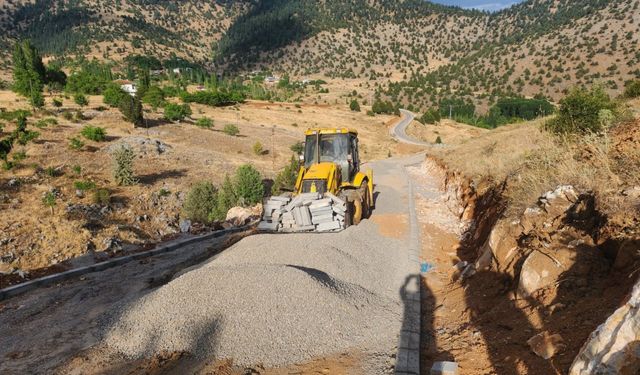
x: 399, y: 130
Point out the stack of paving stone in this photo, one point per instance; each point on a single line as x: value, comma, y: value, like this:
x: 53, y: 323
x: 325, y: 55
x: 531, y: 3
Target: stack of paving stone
x: 304, y: 213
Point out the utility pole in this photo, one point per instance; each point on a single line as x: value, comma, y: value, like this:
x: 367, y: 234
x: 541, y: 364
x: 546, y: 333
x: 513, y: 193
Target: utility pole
x: 273, y: 149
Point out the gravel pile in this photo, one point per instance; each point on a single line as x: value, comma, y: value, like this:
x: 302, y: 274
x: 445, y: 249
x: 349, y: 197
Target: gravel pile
x: 275, y: 300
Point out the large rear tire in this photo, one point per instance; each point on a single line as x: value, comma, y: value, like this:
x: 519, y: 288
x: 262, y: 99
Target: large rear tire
x: 358, y: 211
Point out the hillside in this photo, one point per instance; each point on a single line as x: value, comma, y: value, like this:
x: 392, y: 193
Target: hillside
x: 412, y: 52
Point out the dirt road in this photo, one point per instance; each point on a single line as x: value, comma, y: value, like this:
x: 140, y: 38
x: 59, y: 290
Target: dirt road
x: 62, y: 328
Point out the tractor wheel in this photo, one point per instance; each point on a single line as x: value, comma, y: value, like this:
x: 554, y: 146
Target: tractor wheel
x: 348, y: 217
x: 358, y: 211
x: 366, y: 203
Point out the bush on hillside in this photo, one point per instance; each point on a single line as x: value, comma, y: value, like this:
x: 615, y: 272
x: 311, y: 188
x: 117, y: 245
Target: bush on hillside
x: 94, y: 133
x: 584, y: 111
x: 286, y: 179
x: 258, y: 149
x: 204, y: 122
x: 431, y: 116
x: 176, y: 112
x: 231, y: 130
x: 226, y: 200
x: 123, y: 158
x: 154, y: 96
x: 632, y: 89
x: 113, y: 95
x: 248, y: 185
x: 131, y: 109
x: 354, y: 106
x: 80, y: 99
x: 201, y: 202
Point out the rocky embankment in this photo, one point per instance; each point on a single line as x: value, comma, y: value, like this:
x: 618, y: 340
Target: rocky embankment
x: 565, y: 266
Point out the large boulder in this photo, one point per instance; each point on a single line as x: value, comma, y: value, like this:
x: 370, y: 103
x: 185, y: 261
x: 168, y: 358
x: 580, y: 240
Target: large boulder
x: 614, y: 347
x: 239, y: 216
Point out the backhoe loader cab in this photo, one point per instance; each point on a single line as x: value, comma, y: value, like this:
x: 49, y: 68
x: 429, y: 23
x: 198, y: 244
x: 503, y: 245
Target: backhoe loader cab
x: 332, y: 165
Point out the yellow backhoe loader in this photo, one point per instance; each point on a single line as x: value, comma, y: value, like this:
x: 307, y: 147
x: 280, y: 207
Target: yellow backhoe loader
x: 331, y: 192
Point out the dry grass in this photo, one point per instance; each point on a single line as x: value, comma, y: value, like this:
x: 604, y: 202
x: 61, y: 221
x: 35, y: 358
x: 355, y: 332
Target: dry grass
x: 533, y: 161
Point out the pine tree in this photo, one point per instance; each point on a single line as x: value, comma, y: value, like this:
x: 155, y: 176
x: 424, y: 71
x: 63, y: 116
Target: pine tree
x: 28, y: 72
x: 131, y: 109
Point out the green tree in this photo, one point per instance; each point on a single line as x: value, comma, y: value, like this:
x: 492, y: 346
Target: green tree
x: 154, y: 96
x: 226, y: 199
x: 201, y: 202
x: 176, y: 112
x: 113, y: 95
x: 131, y: 109
x: 354, y: 106
x: 28, y: 70
x: 297, y: 147
x: 286, y: 179
x: 248, y: 185
x: 581, y: 111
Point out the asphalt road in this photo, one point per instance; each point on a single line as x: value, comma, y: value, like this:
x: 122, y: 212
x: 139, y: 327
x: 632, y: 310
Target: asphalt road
x: 399, y: 130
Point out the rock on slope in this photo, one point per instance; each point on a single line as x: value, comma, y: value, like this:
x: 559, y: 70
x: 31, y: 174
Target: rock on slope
x: 614, y: 348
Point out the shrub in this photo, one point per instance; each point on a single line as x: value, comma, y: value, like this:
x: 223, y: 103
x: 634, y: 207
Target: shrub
x: 431, y: 116
x: 213, y: 98
x: 67, y: 115
x: 57, y: 102
x: 19, y: 156
x: 131, y: 109
x: 113, y: 95
x: 75, y: 144
x: 36, y: 99
x: 154, y: 96
x: 204, y: 122
x: 231, y: 130
x: 226, y: 200
x: 258, y: 149
x: 123, y: 166
x: 354, y: 106
x: 80, y: 99
x: 101, y: 196
x: 43, y: 123
x: 51, y: 172
x: 176, y: 112
x: 248, y: 185
x: 297, y: 147
x: 77, y: 169
x: 49, y: 200
x: 84, y: 185
x: 94, y: 133
x: 632, y: 89
x: 580, y: 111
x: 438, y: 140
x: 286, y: 179
x: 201, y: 202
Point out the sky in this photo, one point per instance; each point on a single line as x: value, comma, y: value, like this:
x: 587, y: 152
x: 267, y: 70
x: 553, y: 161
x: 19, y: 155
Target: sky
x: 489, y: 5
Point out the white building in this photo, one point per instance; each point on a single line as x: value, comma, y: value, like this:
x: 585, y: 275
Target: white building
x: 128, y: 87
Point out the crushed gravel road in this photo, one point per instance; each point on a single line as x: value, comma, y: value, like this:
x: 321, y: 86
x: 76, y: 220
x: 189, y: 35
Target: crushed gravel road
x: 276, y: 300
x: 270, y: 300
